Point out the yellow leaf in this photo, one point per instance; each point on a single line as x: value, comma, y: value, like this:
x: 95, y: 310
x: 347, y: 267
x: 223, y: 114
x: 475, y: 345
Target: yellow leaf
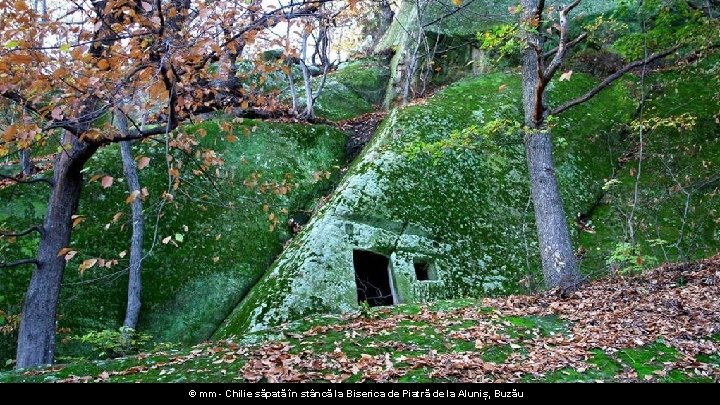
x: 87, y: 264
x: 457, y: 3
x: 502, y: 88
x: 566, y: 76
x: 106, y: 182
x: 64, y: 251
x: 132, y: 197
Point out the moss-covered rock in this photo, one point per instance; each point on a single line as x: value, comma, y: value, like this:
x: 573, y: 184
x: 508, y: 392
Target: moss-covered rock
x: 465, y: 212
x: 224, y: 226
x: 450, y: 31
x: 354, y: 89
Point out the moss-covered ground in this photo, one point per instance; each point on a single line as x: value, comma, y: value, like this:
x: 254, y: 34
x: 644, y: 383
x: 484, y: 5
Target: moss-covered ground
x: 204, y: 249
x: 613, y: 330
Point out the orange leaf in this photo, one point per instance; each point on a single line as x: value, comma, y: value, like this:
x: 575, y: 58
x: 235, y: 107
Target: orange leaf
x: 132, y: 197
x: 103, y: 64
x: 87, y: 264
x: 64, y: 251
x: 77, y: 220
x: 143, y: 162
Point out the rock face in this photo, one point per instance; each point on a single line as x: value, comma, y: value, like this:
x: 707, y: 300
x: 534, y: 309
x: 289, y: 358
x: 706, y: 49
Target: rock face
x: 449, y: 223
x: 448, y: 33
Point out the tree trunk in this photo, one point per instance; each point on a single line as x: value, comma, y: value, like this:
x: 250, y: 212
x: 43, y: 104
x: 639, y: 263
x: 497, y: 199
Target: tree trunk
x: 307, y: 80
x: 558, y: 259
x: 134, y: 303
x: 36, y: 337
x: 26, y: 162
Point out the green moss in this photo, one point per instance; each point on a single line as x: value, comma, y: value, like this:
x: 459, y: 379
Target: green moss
x: 678, y: 168
x: 543, y: 325
x: 649, y: 359
x: 366, y: 77
x: 400, y: 201
x: 227, y: 243
x: 338, y: 102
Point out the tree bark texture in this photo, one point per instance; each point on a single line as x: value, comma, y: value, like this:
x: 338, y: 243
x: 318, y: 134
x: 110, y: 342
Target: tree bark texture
x: 557, y: 256
x: 36, y: 337
x: 132, y: 313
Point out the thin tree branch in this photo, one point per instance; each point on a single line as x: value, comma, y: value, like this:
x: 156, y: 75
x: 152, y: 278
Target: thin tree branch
x: 569, y: 45
x: 34, y: 228
x: 611, y: 79
x: 28, y: 181
x: 19, y: 263
x: 563, y: 45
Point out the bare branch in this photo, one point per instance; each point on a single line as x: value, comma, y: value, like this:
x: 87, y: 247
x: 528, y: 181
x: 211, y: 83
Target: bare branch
x: 34, y: 228
x: 28, y: 181
x: 611, y: 79
x: 569, y: 45
x: 563, y: 46
x: 19, y: 263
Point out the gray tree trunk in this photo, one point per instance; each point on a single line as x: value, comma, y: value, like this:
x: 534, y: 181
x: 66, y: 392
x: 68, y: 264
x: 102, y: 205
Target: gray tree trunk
x: 307, y: 79
x: 36, y: 337
x: 134, y: 302
x: 558, y: 259
x: 26, y: 162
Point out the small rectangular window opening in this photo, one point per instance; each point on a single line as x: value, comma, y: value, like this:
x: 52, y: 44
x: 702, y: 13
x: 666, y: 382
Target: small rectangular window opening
x: 423, y: 271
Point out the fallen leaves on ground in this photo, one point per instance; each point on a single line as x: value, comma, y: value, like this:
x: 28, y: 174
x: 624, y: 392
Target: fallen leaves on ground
x: 677, y: 305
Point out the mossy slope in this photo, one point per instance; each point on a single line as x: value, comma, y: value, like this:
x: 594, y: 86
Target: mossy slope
x: 466, y: 212
x: 224, y: 227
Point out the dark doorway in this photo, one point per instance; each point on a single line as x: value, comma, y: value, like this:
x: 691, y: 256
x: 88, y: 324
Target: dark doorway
x: 372, y: 278
x: 422, y: 271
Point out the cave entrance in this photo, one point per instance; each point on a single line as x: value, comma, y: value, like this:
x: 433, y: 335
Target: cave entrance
x: 372, y: 278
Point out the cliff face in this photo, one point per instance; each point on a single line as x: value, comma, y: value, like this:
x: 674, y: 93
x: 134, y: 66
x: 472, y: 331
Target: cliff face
x: 448, y: 224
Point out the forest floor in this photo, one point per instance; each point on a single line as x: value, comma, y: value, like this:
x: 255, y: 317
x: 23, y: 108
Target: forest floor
x: 662, y: 326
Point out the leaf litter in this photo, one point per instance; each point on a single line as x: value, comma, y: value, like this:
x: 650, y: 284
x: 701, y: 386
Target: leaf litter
x: 675, y: 306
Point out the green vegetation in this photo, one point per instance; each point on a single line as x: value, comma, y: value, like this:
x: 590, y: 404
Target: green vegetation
x: 679, y: 169
x: 204, y: 249
x: 395, y: 200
